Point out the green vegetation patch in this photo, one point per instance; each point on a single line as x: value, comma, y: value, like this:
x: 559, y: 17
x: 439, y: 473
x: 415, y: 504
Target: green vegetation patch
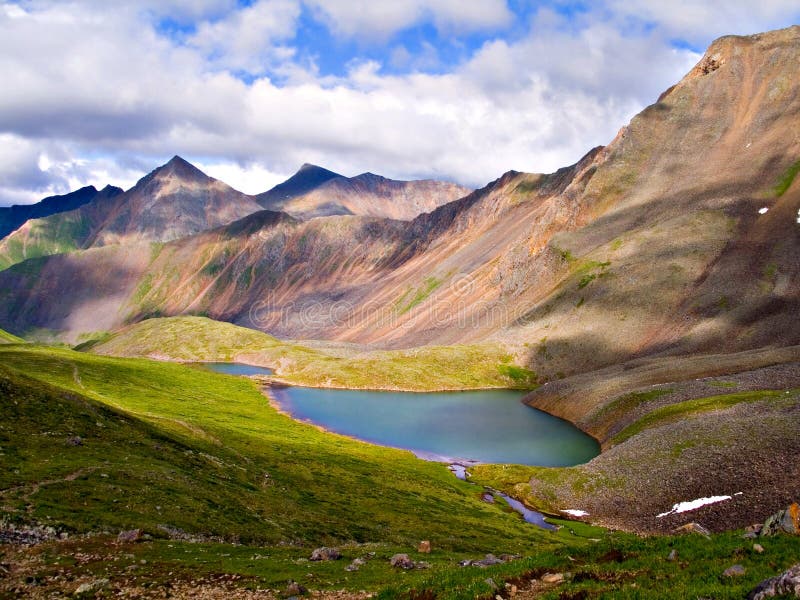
x: 786, y: 179
x: 92, y: 443
x: 674, y: 412
x: 428, y: 368
x: 420, y: 294
x: 9, y: 338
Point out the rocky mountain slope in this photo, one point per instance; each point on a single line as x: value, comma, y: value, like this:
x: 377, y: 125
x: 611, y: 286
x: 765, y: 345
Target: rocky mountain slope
x: 317, y: 192
x: 11, y: 217
x: 657, y: 243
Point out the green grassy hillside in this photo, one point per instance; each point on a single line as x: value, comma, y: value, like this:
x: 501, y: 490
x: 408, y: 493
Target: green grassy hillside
x: 9, y: 338
x: 94, y: 444
x: 419, y: 369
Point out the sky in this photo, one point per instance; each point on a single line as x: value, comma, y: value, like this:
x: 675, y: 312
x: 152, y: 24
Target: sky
x: 98, y: 92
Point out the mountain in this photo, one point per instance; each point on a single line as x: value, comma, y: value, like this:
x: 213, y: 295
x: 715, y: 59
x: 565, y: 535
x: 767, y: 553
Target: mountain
x: 655, y: 244
x: 175, y: 200
x: 316, y: 192
x: 12, y: 217
x: 307, y: 178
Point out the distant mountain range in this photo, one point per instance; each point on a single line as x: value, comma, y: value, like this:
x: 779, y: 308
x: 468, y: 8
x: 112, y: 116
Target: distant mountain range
x: 11, y: 217
x: 680, y: 236
x: 177, y: 200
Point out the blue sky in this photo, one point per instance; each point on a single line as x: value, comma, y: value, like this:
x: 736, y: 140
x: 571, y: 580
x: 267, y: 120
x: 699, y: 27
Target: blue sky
x: 464, y: 90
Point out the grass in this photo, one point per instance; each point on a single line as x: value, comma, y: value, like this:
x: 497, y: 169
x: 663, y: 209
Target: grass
x: 420, y: 294
x: 9, y: 338
x: 420, y: 369
x: 680, y: 410
x: 786, y: 179
x: 168, y: 444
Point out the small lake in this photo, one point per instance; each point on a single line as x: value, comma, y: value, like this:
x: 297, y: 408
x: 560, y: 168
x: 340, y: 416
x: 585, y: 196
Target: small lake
x: 230, y: 368
x: 487, y: 426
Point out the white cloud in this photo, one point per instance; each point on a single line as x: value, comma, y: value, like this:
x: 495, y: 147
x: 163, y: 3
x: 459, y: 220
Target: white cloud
x: 250, y: 179
x: 698, y: 21
x: 379, y: 19
x: 95, y: 89
x: 248, y: 39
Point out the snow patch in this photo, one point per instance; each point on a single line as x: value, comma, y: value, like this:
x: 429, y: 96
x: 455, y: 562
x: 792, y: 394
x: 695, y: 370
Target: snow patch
x: 682, y: 507
x: 763, y: 211
x: 574, y: 512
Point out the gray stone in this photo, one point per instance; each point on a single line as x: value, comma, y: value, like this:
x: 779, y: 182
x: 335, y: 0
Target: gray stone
x: 295, y: 589
x: 785, y: 584
x: 734, y: 571
x: 553, y: 578
x: 402, y: 561
x: 673, y: 555
x: 91, y: 587
x: 130, y: 536
x: 488, y: 561
x: 356, y: 564
x: 786, y: 521
x: 325, y: 554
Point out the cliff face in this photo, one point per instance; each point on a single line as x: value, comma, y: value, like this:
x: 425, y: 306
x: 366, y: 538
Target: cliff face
x: 656, y: 243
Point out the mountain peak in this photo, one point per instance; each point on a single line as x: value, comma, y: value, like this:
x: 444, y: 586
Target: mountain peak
x: 182, y: 168
x: 308, y: 177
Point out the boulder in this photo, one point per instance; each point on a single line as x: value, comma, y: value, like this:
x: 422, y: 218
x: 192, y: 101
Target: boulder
x: 785, y: 584
x: 734, y: 571
x: 402, y: 561
x: 488, y: 561
x: 758, y: 548
x: 424, y: 547
x: 129, y: 537
x: 91, y: 587
x: 325, y: 554
x: 787, y: 521
x: 295, y: 589
x: 693, y: 528
x: 553, y: 578
x: 356, y: 564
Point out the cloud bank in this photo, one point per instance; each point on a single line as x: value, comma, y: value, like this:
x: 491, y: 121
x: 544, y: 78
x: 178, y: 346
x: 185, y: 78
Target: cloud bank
x: 95, y: 93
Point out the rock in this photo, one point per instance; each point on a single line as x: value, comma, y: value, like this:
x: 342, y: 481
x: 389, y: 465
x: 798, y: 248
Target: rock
x: 758, y: 548
x: 553, y: 578
x: 734, y: 571
x: 693, y: 528
x: 75, y: 441
x: 673, y: 555
x: 130, y: 536
x: 424, y: 547
x: 465, y: 563
x: 491, y: 583
x: 512, y: 589
x: 785, y: 584
x: 91, y: 587
x: 487, y: 497
x: 325, y: 554
x: 295, y: 589
x: 488, y: 561
x: 356, y: 564
x: 421, y: 564
x: 509, y: 557
x: 402, y: 561
x: 787, y: 520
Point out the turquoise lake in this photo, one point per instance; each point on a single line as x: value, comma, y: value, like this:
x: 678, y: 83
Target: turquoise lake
x: 486, y: 426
